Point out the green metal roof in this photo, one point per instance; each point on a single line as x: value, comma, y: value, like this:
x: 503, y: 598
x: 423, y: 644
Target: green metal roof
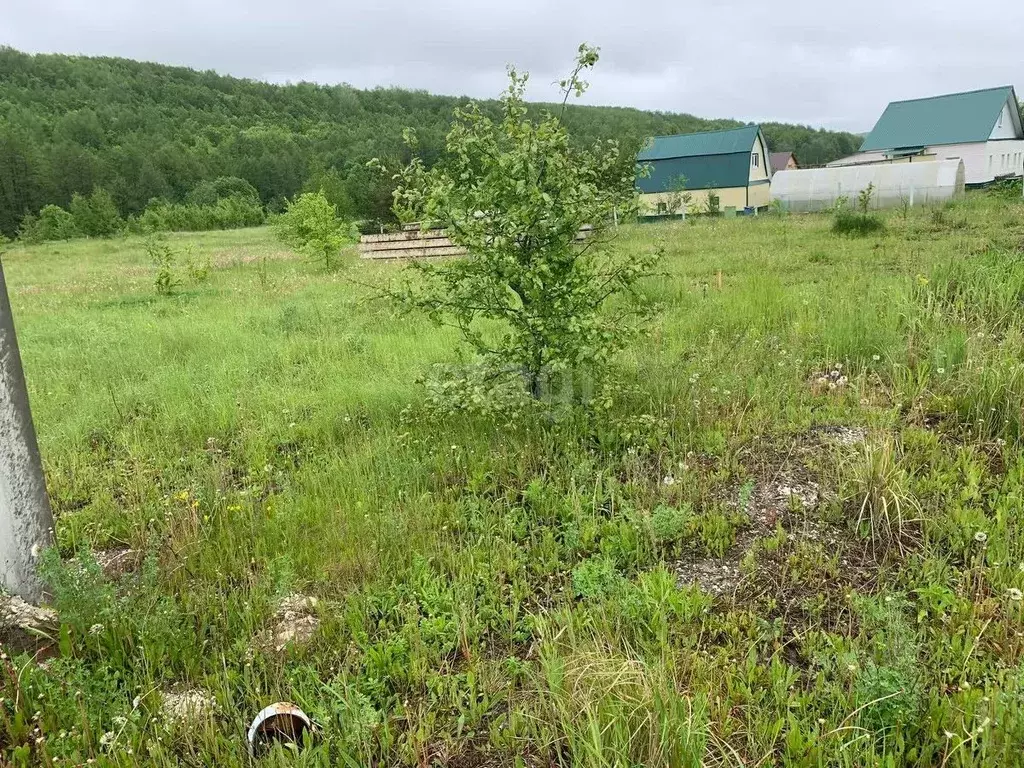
x: 711, y: 160
x: 707, y: 172
x: 701, y: 144
x: 957, y: 118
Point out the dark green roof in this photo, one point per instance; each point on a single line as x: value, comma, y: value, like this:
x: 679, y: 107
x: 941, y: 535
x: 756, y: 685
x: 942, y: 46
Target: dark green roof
x: 957, y: 118
x: 708, y: 172
x: 712, y: 160
x: 700, y: 144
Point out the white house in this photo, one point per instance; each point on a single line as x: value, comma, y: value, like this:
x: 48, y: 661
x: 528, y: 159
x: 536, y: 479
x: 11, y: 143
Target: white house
x: 981, y: 128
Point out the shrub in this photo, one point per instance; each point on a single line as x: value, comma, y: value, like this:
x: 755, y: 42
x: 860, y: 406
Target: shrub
x: 597, y: 578
x: 515, y: 194
x: 669, y: 524
x: 310, y: 224
x: 96, y: 215
x: 855, y: 223
x: 864, y: 198
x: 231, y: 212
x: 52, y: 223
x: 164, y: 259
x: 713, y: 205
x: 1007, y: 189
x: 208, y: 193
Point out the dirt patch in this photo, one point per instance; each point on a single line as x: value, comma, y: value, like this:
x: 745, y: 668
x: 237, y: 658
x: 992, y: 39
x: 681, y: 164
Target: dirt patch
x: 119, y: 561
x: 295, y: 622
x: 840, y: 435
x: 785, y: 492
x: 716, y: 576
x: 188, y: 706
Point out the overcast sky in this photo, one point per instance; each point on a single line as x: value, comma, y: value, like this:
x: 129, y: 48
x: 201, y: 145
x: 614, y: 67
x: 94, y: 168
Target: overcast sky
x: 833, y: 64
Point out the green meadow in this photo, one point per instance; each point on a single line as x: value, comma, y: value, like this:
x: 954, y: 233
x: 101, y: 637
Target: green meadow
x: 788, y: 531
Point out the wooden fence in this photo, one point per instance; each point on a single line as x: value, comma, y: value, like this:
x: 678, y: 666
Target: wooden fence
x: 413, y: 243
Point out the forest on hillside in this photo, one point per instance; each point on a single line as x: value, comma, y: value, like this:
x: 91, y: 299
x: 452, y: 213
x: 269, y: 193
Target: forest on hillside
x: 143, y: 132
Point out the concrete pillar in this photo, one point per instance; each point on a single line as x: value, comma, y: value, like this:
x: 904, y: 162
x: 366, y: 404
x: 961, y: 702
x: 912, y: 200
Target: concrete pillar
x: 26, y: 522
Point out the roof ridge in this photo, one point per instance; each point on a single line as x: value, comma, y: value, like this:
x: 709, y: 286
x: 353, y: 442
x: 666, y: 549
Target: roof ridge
x: 702, y: 133
x: 957, y: 93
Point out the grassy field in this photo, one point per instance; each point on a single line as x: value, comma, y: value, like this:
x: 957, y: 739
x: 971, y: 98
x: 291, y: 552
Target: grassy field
x: 790, y: 534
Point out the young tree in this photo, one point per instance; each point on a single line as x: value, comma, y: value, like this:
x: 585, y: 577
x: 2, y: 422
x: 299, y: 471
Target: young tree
x: 310, y: 224
x: 516, y: 193
x: 96, y: 215
x: 677, y: 199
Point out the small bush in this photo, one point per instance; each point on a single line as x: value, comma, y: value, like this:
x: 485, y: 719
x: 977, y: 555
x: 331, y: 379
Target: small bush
x: 856, y: 223
x: 1008, y: 189
x: 669, y: 524
x: 52, y: 223
x: 207, y: 194
x: 311, y: 225
x: 227, y: 213
x: 96, y: 215
x: 713, y: 205
x: 165, y: 260
x: 198, y: 268
x: 596, y: 578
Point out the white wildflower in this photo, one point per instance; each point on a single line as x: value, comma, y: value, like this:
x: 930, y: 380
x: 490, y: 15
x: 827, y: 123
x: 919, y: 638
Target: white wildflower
x: 95, y: 629
x: 981, y: 537
x: 1015, y: 594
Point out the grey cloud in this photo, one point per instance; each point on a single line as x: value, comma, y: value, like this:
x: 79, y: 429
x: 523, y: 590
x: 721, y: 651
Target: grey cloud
x: 800, y: 61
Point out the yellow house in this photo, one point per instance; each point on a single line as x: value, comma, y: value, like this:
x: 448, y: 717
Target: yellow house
x: 683, y: 171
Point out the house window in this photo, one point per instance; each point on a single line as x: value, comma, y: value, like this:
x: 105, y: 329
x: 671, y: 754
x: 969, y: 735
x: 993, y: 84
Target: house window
x: 662, y: 208
x: 755, y: 159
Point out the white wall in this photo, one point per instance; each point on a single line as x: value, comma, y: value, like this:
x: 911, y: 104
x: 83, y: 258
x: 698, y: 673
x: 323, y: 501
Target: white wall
x: 1006, y: 126
x: 975, y: 157
x: 1006, y: 157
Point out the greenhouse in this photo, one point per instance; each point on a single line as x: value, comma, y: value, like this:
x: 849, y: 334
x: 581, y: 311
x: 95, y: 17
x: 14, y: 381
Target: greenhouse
x: 816, y: 189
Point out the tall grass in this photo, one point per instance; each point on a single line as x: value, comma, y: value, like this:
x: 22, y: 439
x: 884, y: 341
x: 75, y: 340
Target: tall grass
x: 520, y: 590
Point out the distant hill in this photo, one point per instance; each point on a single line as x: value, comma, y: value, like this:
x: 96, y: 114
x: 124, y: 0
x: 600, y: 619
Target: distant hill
x: 143, y: 131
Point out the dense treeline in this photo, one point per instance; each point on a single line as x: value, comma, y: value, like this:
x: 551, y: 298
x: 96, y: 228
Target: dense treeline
x: 147, y: 132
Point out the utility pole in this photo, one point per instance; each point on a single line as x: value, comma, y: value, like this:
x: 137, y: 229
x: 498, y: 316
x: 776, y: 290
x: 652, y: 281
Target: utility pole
x: 26, y: 522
